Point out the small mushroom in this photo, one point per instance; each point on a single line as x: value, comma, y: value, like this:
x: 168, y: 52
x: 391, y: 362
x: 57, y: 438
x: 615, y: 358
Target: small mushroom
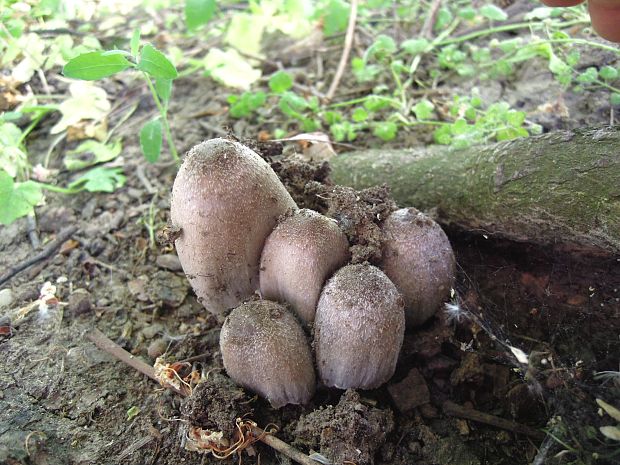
x: 418, y: 258
x: 266, y: 351
x: 226, y: 200
x: 299, y: 255
x: 359, y: 328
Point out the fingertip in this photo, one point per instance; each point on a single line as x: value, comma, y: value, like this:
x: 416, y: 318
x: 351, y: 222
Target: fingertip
x: 562, y: 2
x: 605, y: 17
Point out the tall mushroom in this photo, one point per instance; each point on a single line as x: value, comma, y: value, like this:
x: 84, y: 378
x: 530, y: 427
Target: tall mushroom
x: 225, y: 200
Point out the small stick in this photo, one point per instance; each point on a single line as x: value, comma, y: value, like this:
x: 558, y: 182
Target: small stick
x: 48, y: 250
x: 427, y: 28
x: 112, y: 348
x: 344, y: 58
x: 33, y: 235
x: 456, y: 410
x: 282, y: 447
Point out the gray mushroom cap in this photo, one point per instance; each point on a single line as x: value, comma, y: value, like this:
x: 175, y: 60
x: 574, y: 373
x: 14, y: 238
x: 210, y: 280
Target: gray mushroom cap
x: 418, y: 258
x: 266, y: 351
x: 359, y: 328
x: 299, y: 255
x: 226, y: 200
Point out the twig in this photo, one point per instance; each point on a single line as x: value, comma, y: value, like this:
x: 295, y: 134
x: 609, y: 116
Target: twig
x: 344, y: 58
x: 427, y: 28
x: 450, y: 408
x: 48, y: 250
x: 109, y: 346
x: 112, y: 348
x: 33, y: 235
x: 282, y: 447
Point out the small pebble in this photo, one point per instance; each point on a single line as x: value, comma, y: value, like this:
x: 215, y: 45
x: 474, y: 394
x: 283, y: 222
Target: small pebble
x: 150, y: 331
x: 6, y: 297
x: 169, y: 262
x: 157, y: 348
x: 79, y: 302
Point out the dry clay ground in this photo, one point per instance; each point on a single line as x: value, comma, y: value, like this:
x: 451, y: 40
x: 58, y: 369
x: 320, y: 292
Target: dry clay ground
x: 64, y: 401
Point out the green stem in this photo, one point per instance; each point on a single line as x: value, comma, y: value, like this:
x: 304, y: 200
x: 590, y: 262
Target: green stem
x: 607, y: 86
x: 355, y: 101
x: 164, y: 117
x: 609, y: 48
x: 61, y: 190
x: 506, y: 28
x: 401, y: 90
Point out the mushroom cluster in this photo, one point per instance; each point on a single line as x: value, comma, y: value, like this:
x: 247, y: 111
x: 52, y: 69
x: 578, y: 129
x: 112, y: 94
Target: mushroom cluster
x: 241, y: 232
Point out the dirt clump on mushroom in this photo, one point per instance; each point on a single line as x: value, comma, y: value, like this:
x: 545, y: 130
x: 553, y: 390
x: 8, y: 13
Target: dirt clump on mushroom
x: 360, y: 215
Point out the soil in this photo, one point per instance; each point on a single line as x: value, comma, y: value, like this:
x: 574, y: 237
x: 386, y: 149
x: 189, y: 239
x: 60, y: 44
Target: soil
x: 64, y: 401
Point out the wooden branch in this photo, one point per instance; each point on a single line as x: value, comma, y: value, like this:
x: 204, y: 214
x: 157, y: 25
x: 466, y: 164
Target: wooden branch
x: 455, y: 410
x: 344, y: 58
x: 560, y: 188
x: 47, y: 251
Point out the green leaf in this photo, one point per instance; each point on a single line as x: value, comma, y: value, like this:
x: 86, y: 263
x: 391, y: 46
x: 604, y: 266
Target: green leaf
x: 292, y: 105
x: 385, y: 130
x: 376, y: 103
x: 335, y: 17
x: 442, y: 135
x: 198, y: 12
x: 332, y: 117
x: 100, y: 179
x: 17, y: 199
x: 493, y: 13
x: 280, y: 82
x: 459, y: 127
x: 155, y: 63
x: 442, y: 19
x: 245, y: 104
x: 132, y: 412
x: 467, y: 12
x: 230, y: 68
x: 362, y: 71
x: 383, y: 46
x: 423, y: 109
x: 608, y: 73
x: 95, y: 65
x: 90, y: 153
x: 135, y: 42
x: 588, y: 76
x: 163, y: 87
x: 415, y: 46
x: 609, y: 409
x: 359, y: 115
x: 614, y: 99
x: 515, y: 118
x: 151, y: 140
x: 611, y: 432
x: 557, y: 65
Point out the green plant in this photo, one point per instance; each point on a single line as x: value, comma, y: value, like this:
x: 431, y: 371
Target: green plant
x: 157, y: 71
x: 19, y: 194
